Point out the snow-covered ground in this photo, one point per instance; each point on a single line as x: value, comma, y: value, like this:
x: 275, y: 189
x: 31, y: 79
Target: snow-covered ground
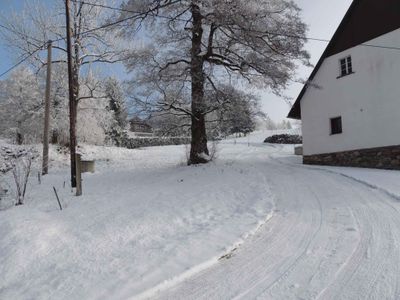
x: 255, y: 224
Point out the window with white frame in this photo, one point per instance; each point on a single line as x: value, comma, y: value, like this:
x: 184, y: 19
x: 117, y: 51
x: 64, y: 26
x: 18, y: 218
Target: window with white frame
x: 346, y: 66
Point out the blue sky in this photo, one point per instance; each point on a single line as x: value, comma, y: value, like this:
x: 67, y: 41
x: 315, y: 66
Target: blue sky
x: 7, y: 59
x: 6, y: 5
x: 322, y: 16
x: 5, y: 56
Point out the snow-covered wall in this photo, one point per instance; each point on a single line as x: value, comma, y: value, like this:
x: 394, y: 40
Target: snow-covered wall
x: 368, y: 100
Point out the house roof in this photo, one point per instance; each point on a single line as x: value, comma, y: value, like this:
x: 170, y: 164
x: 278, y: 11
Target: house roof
x: 364, y: 21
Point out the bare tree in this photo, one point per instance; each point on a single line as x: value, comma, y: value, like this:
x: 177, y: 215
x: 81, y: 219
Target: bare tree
x: 192, y: 46
x: 26, y: 34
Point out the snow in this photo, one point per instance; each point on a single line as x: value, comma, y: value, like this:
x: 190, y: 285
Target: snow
x: 254, y: 224
x: 145, y: 218
x: 386, y: 181
x: 383, y: 180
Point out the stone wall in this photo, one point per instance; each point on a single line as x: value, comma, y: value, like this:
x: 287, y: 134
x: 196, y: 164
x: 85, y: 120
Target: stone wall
x: 133, y: 143
x: 380, y: 158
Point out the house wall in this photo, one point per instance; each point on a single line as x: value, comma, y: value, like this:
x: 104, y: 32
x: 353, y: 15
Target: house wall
x: 368, y: 100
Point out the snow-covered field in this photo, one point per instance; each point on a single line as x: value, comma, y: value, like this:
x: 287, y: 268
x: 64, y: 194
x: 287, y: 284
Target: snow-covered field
x: 254, y: 224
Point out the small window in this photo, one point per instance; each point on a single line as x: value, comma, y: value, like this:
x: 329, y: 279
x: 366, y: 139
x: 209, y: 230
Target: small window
x: 336, y: 125
x: 346, y: 66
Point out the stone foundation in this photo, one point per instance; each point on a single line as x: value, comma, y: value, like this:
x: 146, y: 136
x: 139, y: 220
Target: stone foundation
x: 380, y: 158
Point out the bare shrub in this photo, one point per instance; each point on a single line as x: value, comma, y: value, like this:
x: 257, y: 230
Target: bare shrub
x: 214, y: 150
x: 21, y: 172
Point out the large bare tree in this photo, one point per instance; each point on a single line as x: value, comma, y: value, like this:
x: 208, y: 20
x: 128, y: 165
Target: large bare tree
x: 191, y: 46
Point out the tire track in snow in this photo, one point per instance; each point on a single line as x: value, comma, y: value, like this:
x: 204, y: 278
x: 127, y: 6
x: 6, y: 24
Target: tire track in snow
x: 287, y: 269
x: 275, y: 242
x: 389, y: 253
x: 358, y: 260
x: 351, y: 264
x: 291, y: 266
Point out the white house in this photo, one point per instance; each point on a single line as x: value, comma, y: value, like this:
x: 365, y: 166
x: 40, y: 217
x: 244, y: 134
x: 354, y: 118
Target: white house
x: 350, y: 107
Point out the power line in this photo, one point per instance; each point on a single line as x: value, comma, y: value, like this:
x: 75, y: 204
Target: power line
x: 248, y: 30
x: 127, y: 10
x: 19, y: 33
x: 20, y: 62
x: 84, y: 32
x: 14, y: 66
x: 137, y: 14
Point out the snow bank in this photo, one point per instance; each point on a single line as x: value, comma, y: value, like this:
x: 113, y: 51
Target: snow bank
x: 386, y: 181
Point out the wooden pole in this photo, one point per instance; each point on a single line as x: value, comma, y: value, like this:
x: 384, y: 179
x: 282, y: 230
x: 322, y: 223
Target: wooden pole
x: 78, y: 175
x: 72, y: 102
x: 45, y: 165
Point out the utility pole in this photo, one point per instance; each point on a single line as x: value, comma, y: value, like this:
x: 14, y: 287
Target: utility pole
x: 72, y: 102
x: 45, y: 165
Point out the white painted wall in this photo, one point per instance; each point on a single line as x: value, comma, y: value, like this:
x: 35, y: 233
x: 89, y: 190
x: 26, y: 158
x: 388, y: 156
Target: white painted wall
x: 368, y: 100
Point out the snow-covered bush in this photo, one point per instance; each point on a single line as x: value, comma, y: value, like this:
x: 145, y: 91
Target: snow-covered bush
x: 10, y: 154
x: 134, y: 143
x: 15, y: 168
x: 284, y: 139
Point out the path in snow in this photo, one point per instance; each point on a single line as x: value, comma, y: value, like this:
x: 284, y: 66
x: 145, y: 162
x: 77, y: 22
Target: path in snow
x: 331, y: 237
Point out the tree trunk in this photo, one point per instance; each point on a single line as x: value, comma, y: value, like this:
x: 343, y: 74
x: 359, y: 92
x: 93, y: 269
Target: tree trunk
x: 19, y: 137
x: 54, y: 137
x: 198, y: 151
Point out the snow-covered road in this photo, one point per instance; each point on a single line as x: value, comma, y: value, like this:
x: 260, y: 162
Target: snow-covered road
x: 330, y: 237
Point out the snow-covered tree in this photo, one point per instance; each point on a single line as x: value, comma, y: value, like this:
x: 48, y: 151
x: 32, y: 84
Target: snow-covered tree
x: 239, y: 112
x: 115, y: 96
x: 59, y: 110
x: 114, y: 93
x: 287, y: 124
x: 92, y: 43
x: 195, y: 45
x: 270, y: 124
x: 170, y: 124
x: 94, y: 118
x: 21, y: 106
